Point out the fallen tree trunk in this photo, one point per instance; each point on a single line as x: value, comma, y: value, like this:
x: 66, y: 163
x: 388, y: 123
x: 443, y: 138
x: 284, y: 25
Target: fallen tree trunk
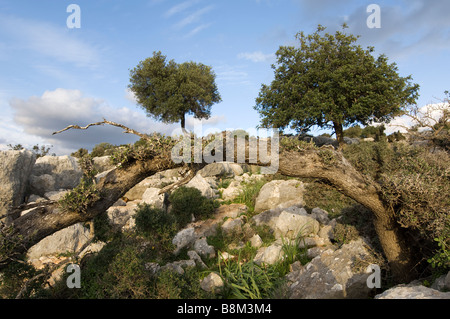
x: 325, y: 163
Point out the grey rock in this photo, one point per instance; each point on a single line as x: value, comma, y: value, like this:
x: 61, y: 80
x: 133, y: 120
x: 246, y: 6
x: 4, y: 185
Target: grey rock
x: 15, y: 169
x: 69, y: 239
x: 330, y: 275
x: 184, y: 238
x: 203, y: 186
x: 202, y: 247
x: 64, y: 170
x: 279, y: 193
x: 269, y: 255
x: 412, y: 291
x: 212, y: 283
x: 152, y: 197
x: 320, y: 215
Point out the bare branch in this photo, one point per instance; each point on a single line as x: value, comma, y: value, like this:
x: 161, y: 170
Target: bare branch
x: 127, y: 130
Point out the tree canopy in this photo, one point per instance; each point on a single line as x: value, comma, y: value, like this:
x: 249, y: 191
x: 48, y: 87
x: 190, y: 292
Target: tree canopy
x: 331, y: 82
x: 168, y: 91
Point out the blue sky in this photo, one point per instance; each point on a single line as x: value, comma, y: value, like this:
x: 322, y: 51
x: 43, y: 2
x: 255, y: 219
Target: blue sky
x: 52, y: 76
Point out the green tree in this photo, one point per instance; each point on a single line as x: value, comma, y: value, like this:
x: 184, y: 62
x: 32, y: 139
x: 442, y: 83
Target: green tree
x: 331, y: 82
x: 168, y: 91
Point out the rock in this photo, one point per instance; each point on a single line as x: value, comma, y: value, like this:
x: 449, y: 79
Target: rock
x: 442, y: 283
x: 279, y: 193
x: 178, y: 266
x: 202, y: 185
x: 64, y: 170
x: 256, y: 241
x: 212, y: 283
x: 152, y: 197
x: 69, y: 239
x: 330, y: 275
x: 327, y: 232
x: 203, y: 249
x: 269, y: 255
x: 121, y: 217
x: 184, y: 238
x: 103, y: 163
x: 15, y: 169
x: 349, y: 140
x: 56, y: 195
x: 36, y: 199
x: 231, y: 225
x: 193, y: 255
x: 320, y: 215
x: 290, y: 225
x: 412, y: 291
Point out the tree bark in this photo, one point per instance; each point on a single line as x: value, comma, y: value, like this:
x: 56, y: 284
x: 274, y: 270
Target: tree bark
x: 339, y: 131
x: 36, y: 225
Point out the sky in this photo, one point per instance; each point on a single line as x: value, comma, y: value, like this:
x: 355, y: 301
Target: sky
x: 60, y: 66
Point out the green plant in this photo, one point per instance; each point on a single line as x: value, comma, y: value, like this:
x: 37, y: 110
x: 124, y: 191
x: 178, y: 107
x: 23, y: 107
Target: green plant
x: 249, y: 193
x: 442, y: 257
x: 152, y: 221
x: 247, y: 280
x: 187, y: 202
x: 79, y: 199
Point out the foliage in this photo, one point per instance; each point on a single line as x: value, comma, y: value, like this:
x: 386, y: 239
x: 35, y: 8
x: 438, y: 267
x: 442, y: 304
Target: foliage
x: 102, y: 149
x: 167, y: 90
x: 80, y: 153
x: 331, y: 82
x: 187, y: 202
x: 249, y: 193
x: 40, y: 151
x: 414, y: 184
x: 154, y: 222
x: 80, y: 198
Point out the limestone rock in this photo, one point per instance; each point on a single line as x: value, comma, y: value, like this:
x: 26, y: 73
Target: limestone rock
x: 279, y: 193
x: 203, y: 186
x: 330, y: 275
x: 412, y: 291
x: 212, y: 283
x: 15, y: 169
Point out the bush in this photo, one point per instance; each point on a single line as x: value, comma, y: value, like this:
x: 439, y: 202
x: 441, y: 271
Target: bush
x: 187, y: 202
x: 155, y: 222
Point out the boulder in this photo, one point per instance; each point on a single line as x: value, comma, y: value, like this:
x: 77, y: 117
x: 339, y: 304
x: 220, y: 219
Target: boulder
x: 51, y: 173
x: 212, y: 283
x: 413, y: 290
x: 332, y: 275
x: 121, y: 217
x: 289, y: 225
x: 279, y: 193
x: 69, y: 239
x: 184, y: 238
x: 152, y: 197
x: 203, y: 186
x: 269, y: 255
x: 202, y: 247
x: 15, y: 169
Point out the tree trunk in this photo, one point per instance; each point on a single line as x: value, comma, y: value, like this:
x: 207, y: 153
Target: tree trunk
x: 339, y: 130
x: 36, y: 225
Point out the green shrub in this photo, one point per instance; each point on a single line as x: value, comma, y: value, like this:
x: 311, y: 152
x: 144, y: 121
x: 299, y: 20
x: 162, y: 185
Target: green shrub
x: 187, y: 202
x: 152, y: 221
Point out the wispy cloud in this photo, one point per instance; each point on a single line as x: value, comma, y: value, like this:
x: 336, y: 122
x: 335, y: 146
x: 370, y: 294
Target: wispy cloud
x: 256, y: 56
x: 197, y: 30
x: 193, y: 17
x: 48, y: 40
x: 180, y: 8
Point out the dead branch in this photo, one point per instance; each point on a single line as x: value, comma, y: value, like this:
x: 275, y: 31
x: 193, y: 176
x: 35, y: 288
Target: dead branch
x: 127, y: 130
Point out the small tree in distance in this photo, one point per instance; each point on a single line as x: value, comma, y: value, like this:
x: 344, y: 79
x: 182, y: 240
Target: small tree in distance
x: 330, y: 82
x: 168, y: 91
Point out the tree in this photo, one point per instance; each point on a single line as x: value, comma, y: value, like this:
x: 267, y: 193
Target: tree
x: 331, y: 82
x: 297, y: 159
x: 168, y: 91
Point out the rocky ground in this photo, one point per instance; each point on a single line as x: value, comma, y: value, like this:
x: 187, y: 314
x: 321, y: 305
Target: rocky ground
x: 332, y: 270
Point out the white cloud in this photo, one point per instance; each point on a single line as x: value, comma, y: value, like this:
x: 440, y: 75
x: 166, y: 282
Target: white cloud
x: 198, y: 29
x: 40, y: 116
x: 256, y: 56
